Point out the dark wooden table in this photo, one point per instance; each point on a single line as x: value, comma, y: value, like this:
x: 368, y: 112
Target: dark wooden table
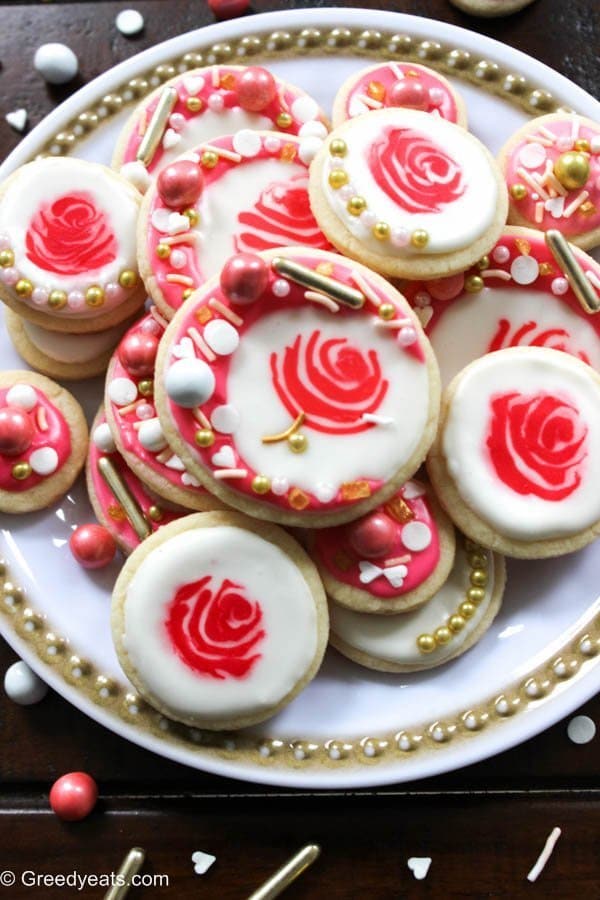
x: 482, y: 826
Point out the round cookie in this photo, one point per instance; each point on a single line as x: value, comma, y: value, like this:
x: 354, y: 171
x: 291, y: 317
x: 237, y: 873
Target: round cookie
x: 251, y: 194
x: 131, y: 416
x: 219, y: 621
x: 70, y: 357
x: 67, y: 245
x: 291, y: 405
x: 203, y: 104
x: 516, y: 296
x: 43, y: 441
x: 391, y: 560
x: 455, y: 618
x: 516, y: 461
x: 411, y: 195
x: 552, y: 170
x: 106, y: 506
x: 403, y: 84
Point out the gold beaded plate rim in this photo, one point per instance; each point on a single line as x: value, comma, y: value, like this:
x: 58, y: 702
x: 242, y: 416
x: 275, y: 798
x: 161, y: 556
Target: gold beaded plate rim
x: 556, y: 684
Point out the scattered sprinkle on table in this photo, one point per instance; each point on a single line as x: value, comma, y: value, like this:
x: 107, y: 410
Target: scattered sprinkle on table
x: 419, y: 866
x: 17, y: 119
x: 581, y: 730
x: 56, y: 63
x: 202, y: 861
x: 129, y: 22
x: 544, y: 855
x: 23, y: 686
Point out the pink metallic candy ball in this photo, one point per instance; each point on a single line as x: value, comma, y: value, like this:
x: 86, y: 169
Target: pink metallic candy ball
x: 228, y: 9
x: 446, y: 288
x: 16, y: 431
x: 180, y: 184
x: 372, y: 536
x: 256, y: 89
x: 138, y: 353
x: 93, y: 546
x: 73, y: 796
x: 409, y: 93
x: 244, y: 277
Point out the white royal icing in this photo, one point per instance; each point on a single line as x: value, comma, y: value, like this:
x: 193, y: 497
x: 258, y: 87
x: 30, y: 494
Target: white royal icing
x: 71, y: 348
x: 530, y: 372
x: 268, y: 577
x: 393, y: 639
x: 455, y: 227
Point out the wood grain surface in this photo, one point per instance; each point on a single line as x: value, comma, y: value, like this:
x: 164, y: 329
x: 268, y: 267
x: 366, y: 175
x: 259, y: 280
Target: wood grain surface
x: 483, y: 826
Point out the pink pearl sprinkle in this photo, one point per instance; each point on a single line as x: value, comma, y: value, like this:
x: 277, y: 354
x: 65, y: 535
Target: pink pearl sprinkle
x: 346, y: 192
x: 178, y: 259
x: 400, y: 237
x: 9, y: 275
x: 559, y: 286
x: 501, y: 254
x: 564, y: 143
x: 281, y: 287
x: 151, y: 326
x: 407, y: 336
x: 145, y: 411
x: 436, y: 96
x: 75, y: 300
x: 368, y: 218
x: 272, y: 144
x: 216, y: 103
x: 177, y: 121
x: 113, y: 291
x: 4, y: 242
x: 39, y: 296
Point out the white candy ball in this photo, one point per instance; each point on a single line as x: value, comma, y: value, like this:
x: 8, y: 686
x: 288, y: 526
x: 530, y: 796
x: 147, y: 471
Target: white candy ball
x: 23, y: 396
x: 151, y: 436
x: 23, y: 686
x: 56, y: 63
x: 189, y: 382
x: 129, y: 22
x: 103, y: 439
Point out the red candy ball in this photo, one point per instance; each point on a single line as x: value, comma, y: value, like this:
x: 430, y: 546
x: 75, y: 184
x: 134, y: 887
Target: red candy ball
x: 409, y: 93
x: 16, y: 431
x: 180, y: 184
x: 256, y: 89
x: 93, y: 546
x: 138, y: 351
x: 244, y: 277
x: 372, y: 536
x: 228, y: 9
x: 73, y: 796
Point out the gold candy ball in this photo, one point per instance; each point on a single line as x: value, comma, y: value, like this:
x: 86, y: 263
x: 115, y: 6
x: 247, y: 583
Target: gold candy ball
x: 337, y: 147
x: 583, y: 145
x: 187, y: 293
x: 94, y: 296
x: 475, y: 595
x: 467, y: 610
x: 474, y: 284
x: 146, y: 387
x: 128, y: 278
x: 261, y: 484
x: 456, y: 623
x: 155, y: 513
x: 479, y: 578
x: 21, y: 471
x: 209, y: 159
x: 57, y: 299
x: 484, y: 263
x: 193, y: 215
x: 426, y: 643
x: 194, y: 104
x: 7, y: 258
x: 23, y: 287
x: 284, y: 120
x: 205, y: 437
x: 518, y: 191
x: 381, y: 231
x: 419, y: 238
x: 386, y: 311
x: 478, y: 561
x: 442, y: 635
x: 572, y: 169
x: 298, y: 442
x: 338, y: 178
x: 356, y: 205
x: 163, y: 251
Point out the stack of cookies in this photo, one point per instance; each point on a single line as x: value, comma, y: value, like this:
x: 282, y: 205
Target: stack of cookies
x: 355, y: 388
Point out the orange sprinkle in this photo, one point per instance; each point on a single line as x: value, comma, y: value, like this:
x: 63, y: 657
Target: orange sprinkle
x: 355, y: 490
x: 116, y: 513
x: 288, y: 153
x: 547, y: 269
x: 228, y: 81
x: 399, y: 510
x: 325, y: 268
x: 203, y: 315
x: 298, y: 499
x: 524, y: 246
x: 376, y: 90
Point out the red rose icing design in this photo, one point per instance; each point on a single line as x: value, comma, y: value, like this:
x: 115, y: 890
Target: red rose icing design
x: 530, y: 335
x: 333, y: 383
x: 537, y: 444
x: 215, y: 632
x: 282, y: 216
x: 70, y: 236
x: 415, y: 172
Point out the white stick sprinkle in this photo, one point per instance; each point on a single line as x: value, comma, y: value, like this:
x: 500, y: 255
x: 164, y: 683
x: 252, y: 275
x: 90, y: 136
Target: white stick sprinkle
x: 544, y: 855
x: 157, y: 317
x: 322, y: 300
x: 534, y: 185
x: 216, y: 76
x: 188, y: 237
x: 230, y: 473
x: 574, y: 128
x: 164, y: 456
x: 366, y: 288
x: 225, y: 311
x: 495, y: 273
x: 221, y: 151
x: 200, y: 417
x: 180, y: 279
x: 371, y: 102
x: 393, y: 324
x: 201, y: 344
x: 282, y: 101
x: 593, y: 278
x: 548, y: 134
x: 396, y: 70
x: 377, y: 420
x: 539, y: 211
x: 575, y: 204
x: 538, y: 139
x: 40, y: 418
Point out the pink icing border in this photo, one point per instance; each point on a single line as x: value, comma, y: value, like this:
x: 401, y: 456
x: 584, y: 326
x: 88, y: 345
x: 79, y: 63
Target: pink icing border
x: 385, y: 74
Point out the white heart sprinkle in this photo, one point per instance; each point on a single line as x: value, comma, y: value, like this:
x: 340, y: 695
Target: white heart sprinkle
x: 413, y: 489
x: 184, y: 349
x: 189, y: 480
x: 17, y: 119
x: 193, y: 84
x: 137, y: 175
x: 368, y: 572
x: 44, y: 461
x: 168, y: 222
x: 224, y: 458
x: 555, y: 206
x: 175, y: 463
x: 247, y: 143
x: 419, y: 866
x: 357, y: 108
x: 202, y: 861
x: 225, y: 419
x: 170, y: 139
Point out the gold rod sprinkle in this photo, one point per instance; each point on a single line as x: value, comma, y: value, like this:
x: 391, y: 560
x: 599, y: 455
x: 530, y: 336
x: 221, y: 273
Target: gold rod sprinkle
x: 564, y: 256
x: 311, y: 279
x: 283, y: 435
x: 125, y: 498
x: 288, y: 873
x: 130, y: 866
x: 155, y: 130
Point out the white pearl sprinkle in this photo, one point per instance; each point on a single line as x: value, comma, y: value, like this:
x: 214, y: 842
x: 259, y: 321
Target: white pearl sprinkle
x: 103, y: 439
x: 581, y: 730
x: 129, y: 22
x: 23, y: 686
x: 56, y: 63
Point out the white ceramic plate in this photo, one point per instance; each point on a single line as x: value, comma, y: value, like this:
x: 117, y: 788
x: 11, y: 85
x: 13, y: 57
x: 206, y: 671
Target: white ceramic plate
x: 351, y: 727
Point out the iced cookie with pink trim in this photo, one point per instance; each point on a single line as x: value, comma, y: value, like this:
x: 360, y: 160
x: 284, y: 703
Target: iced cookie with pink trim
x: 403, y: 84
x: 391, y: 560
x: 68, y: 245
x: 516, y: 461
x: 517, y: 296
x: 219, y: 621
x: 131, y: 416
x: 408, y: 194
x: 202, y: 104
x: 552, y: 170
x: 43, y: 441
x: 127, y: 530
x: 248, y: 193
x: 70, y: 357
x: 452, y: 621
x: 298, y: 388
